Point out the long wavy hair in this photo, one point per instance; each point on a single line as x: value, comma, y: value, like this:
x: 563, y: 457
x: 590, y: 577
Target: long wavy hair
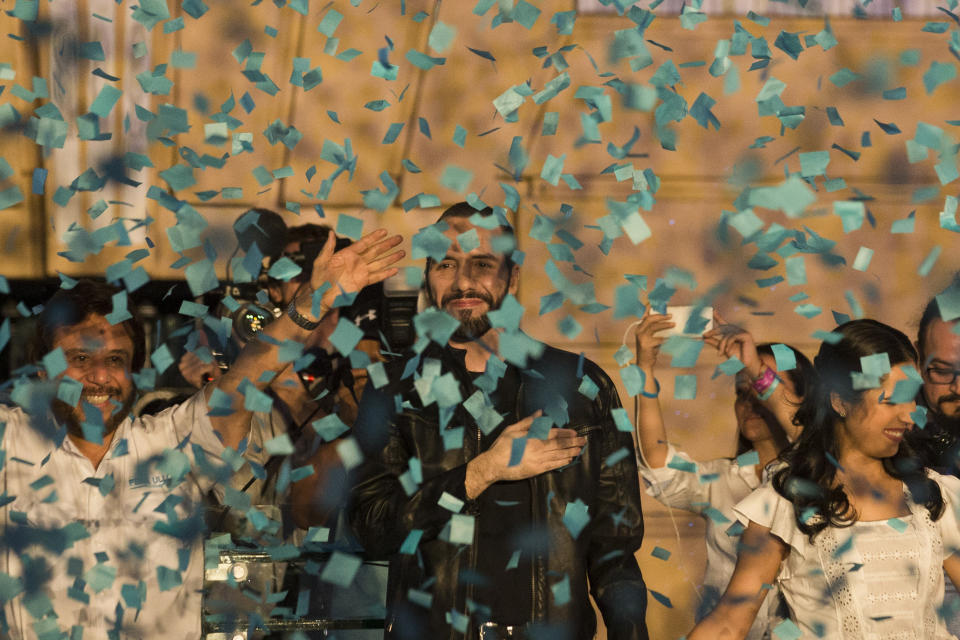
x: 809, y: 478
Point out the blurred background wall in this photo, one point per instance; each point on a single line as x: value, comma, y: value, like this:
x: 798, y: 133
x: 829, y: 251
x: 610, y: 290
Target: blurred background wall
x: 623, y: 142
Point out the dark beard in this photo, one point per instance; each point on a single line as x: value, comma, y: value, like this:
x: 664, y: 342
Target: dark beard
x: 471, y: 327
x: 67, y: 415
x: 950, y: 424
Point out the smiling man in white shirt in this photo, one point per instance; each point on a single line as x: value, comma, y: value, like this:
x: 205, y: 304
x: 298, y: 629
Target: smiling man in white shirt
x: 101, y: 531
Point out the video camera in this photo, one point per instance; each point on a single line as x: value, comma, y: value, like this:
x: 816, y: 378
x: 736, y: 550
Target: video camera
x: 383, y: 311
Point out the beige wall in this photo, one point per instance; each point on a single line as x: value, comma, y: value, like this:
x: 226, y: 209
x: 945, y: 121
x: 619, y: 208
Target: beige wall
x: 696, y: 178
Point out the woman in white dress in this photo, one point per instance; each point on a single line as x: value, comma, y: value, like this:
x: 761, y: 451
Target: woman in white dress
x: 852, y: 529
x: 712, y: 488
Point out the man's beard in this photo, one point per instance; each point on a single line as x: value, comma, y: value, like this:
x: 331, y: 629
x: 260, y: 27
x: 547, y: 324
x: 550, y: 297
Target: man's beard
x: 948, y: 422
x: 471, y: 327
x: 71, y: 415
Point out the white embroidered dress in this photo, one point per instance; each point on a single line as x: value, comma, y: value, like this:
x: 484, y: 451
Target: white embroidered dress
x: 711, y: 489
x: 878, y: 580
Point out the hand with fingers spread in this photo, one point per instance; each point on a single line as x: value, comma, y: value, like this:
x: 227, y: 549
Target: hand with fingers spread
x: 734, y: 342
x: 367, y: 261
x: 648, y: 342
x: 557, y: 450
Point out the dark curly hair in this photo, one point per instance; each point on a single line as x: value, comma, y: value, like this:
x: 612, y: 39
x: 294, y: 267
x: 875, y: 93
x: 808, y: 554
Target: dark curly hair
x: 808, y: 479
x: 70, y: 307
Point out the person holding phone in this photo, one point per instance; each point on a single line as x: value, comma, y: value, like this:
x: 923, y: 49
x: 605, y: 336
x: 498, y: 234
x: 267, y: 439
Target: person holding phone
x: 764, y: 406
x: 854, y: 529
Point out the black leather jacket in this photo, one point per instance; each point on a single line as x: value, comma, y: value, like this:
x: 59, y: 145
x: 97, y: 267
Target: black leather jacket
x: 426, y: 585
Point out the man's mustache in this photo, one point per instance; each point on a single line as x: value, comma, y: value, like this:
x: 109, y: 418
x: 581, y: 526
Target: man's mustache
x: 461, y: 295
x: 953, y: 397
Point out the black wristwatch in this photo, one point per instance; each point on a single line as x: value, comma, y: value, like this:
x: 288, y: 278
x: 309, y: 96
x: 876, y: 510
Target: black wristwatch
x: 299, y: 319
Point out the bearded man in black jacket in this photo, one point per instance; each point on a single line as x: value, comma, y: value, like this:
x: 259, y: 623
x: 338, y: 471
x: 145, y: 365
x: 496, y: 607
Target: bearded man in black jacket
x: 497, y: 480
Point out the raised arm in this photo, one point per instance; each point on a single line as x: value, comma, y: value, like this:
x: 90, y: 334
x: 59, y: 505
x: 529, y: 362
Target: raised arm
x: 651, y: 433
x: 362, y: 263
x: 732, y: 341
x: 757, y: 565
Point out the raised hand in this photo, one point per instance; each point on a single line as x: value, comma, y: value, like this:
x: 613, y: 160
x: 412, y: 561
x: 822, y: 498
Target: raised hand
x: 366, y: 261
x: 559, y: 448
x: 648, y: 342
x: 734, y: 342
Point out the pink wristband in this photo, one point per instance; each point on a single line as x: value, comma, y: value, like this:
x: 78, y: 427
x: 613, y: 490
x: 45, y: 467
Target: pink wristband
x: 761, y: 384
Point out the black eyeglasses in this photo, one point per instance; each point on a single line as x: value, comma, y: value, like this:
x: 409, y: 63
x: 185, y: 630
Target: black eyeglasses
x: 942, y: 375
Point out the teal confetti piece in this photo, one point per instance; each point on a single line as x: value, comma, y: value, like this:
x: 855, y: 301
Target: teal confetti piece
x: 588, y: 387
x: 731, y: 366
x: 576, y: 517
x: 441, y: 36
x: 330, y: 23
x: 843, y: 77
x: 897, y: 524
x: 785, y: 358
x: 814, y: 163
x: 939, y: 73
x: 924, y: 269
x: 876, y: 365
x: 346, y: 336
x: 349, y: 452
x: 349, y: 226
x: 796, y: 270
x: 161, y: 358
x: 851, y: 212
x: 900, y: 93
x: 906, y: 390
x: 459, y: 136
x: 284, y: 269
x: 906, y: 225
x: 716, y: 515
x: 862, y: 261
x: 662, y: 599
x: 517, y: 448
x: 461, y: 529
x: 561, y: 591
x: 660, y: 553
x: 622, y: 420
x: 69, y: 390
x: 525, y: 14
x: 456, y: 178
x: 685, y: 387
x: 10, y: 196
x: 330, y: 427
x: 787, y: 630
x: 279, y: 446
x: 409, y: 546
x: 105, y: 101
x: 748, y: 459
x: 55, y: 362
x: 341, y: 568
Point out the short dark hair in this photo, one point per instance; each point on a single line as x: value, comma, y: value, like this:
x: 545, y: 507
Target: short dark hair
x: 70, y: 307
x: 931, y: 312
x: 307, y: 232
x: 467, y: 210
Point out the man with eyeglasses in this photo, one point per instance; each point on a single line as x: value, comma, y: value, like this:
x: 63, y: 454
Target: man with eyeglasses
x: 937, y: 442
